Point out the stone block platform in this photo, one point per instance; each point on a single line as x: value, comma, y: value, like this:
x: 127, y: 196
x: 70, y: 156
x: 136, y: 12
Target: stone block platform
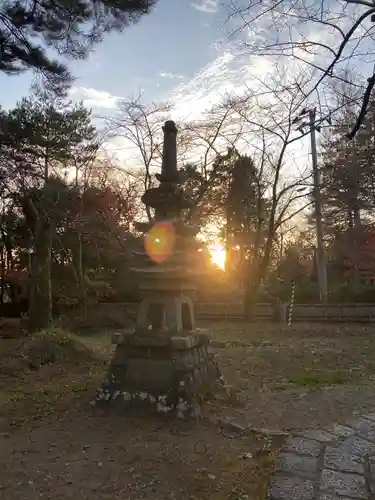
x: 161, y: 374
x: 333, y: 463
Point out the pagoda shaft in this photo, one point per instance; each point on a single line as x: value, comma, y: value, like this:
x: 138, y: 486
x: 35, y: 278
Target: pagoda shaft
x: 169, y: 172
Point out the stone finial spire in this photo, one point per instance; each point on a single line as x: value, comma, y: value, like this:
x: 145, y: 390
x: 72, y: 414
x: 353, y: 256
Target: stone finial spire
x: 169, y: 171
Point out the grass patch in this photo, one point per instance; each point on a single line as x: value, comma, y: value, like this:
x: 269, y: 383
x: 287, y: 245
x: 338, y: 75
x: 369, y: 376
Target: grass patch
x: 55, y: 346
x: 318, y: 378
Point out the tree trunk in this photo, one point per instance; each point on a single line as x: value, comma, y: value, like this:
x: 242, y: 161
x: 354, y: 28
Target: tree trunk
x: 357, y: 246
x: 78, y: 267
x: 256, y: 272
x: 2, y: 266
x: 40, y: 307
x: 9, y: 257
x: 254, y: 279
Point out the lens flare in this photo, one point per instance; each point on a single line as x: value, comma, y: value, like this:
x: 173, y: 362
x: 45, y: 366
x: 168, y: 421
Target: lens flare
x: 160, y: 241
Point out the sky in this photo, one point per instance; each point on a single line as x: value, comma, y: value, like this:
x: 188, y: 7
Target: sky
x: 179, y: 52
x: 166, y: 49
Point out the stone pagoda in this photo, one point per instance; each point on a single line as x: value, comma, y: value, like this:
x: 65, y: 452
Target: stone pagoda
x: 164, y: 365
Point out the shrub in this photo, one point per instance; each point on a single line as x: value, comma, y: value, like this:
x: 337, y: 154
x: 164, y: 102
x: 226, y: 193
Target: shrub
x: 350, y: 292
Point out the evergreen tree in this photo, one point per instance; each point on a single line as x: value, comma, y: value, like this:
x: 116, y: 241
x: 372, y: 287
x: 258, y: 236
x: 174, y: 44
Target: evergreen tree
x: 245, y: 214
x: 208, y: 188
x: 41, y: 137
x: 348, y: 173
x: 348, y: 189
x: 28, y: 28
x: 42, y: 134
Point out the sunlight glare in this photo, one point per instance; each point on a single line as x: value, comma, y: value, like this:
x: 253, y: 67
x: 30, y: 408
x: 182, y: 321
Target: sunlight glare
x: 218, y: 255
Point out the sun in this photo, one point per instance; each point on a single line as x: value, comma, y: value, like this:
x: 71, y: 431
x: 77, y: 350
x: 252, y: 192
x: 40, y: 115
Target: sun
x: 218, y: 255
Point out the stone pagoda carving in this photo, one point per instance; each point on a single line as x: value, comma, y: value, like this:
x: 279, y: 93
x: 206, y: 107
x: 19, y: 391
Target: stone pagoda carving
x: 165, y: 363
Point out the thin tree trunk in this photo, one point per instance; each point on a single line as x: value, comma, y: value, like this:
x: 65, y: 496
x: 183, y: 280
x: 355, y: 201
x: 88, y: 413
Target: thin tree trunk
x: 77, y: 258
x: 40, y: 293
x: 254, y: 275
x: 78, y: 268
x: 356, y: 244
x: 40, y: 306
x: 251, y: 291
x: 9, y: 259
x: 3, y: 249
x: 2, y: 291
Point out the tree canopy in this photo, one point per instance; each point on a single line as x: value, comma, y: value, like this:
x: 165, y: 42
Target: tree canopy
x: 29, y: 28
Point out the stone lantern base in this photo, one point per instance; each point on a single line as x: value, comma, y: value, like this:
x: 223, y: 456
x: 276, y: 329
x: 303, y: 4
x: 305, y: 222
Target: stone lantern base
x: 161, y: 374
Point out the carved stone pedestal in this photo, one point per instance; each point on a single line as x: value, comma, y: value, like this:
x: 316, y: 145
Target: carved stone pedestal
x: 156, y: 374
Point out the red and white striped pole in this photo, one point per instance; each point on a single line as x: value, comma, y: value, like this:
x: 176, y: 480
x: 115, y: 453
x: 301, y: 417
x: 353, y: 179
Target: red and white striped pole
x: 291, y: 303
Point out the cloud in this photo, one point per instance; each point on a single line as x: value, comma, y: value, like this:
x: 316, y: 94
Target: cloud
x: 207, y: 6
x: 235, y: 70
x: 236, y: 73
x: 94, y: 98
x: 231, y: 72
x: 171, y: 76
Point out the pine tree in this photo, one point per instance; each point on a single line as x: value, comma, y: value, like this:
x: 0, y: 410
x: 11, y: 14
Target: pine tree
x: 28, y: 28
x: 42, y: 134
x: 41, y: 137
x: 348, y: 186
x: 246, y: 217
x: 348, y: 173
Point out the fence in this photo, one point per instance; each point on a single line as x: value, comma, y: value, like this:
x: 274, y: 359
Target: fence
x: 232, y: 310
x: 356, y: 313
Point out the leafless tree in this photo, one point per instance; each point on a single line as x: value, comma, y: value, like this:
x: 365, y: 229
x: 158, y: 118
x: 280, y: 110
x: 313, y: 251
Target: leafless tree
x: 208, y: 145
x: 324, y: 38
x: 267, y: 134
x: 137, y: 130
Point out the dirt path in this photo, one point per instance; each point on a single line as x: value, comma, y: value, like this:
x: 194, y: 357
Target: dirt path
x: 301, y: 409
x: 298, y: 377
x: 97, y: 456
x: 93, y: 456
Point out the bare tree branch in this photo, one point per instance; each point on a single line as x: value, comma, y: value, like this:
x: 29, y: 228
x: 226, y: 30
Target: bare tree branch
x: 344, y: 35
